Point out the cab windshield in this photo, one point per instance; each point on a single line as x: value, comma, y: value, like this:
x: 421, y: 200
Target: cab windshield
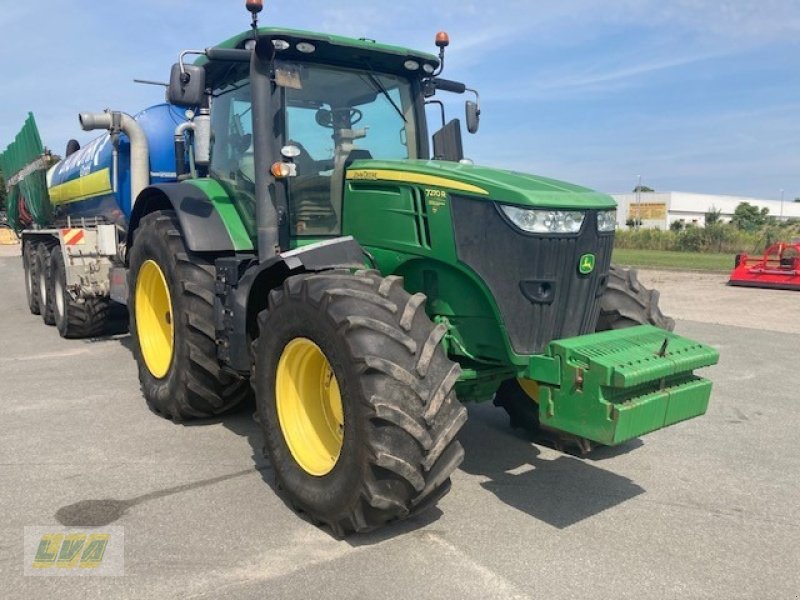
x: 333, y: 116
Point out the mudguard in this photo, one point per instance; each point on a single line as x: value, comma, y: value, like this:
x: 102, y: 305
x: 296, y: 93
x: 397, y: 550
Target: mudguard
x: 243, y: 287
x: 208, y: 218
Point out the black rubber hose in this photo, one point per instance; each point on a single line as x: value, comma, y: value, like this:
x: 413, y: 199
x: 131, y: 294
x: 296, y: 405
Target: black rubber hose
x: 180, y: 157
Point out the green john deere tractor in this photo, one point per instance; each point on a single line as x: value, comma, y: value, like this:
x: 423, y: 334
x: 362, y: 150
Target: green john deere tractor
x: 367, y: 286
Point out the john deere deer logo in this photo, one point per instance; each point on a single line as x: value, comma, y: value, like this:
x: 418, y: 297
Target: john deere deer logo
x: 586, y: 264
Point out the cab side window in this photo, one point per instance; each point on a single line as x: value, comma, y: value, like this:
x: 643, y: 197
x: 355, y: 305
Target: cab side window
x: 232, y: 159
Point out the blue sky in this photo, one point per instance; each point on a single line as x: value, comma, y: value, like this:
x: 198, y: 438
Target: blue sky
x: 694, y: 95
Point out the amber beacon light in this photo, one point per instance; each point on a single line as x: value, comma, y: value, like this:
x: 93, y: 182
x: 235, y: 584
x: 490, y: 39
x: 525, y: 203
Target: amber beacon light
x: 255, y: 6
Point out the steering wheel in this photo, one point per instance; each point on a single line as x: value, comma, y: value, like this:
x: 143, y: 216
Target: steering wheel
x: 324, y: 117
x: 355, y: 116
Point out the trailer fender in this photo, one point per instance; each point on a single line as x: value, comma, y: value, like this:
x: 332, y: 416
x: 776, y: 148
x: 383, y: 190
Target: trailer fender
x: 208, y: 218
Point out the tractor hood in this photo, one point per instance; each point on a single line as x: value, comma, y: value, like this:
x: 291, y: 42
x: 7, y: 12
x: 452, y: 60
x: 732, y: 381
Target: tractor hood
x: 508, y: 187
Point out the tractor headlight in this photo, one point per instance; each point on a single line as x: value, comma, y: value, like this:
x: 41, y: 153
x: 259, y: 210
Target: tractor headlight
x: 606, y: 220
x: 544, y: 221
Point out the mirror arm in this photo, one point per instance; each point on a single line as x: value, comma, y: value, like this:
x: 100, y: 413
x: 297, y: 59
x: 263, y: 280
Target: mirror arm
x: 441, y: 107
x: 477, y: 98
x: 182, y: 56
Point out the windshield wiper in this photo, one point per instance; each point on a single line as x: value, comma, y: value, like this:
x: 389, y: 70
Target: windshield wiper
x: 380, y: 87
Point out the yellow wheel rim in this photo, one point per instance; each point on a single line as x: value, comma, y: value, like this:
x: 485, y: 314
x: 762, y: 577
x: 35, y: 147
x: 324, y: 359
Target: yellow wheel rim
x: 309, y: 403
x: 530, y: 387
x: 154, y: 323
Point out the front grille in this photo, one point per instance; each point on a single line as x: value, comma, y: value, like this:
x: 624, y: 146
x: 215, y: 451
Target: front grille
x: 534, y: 278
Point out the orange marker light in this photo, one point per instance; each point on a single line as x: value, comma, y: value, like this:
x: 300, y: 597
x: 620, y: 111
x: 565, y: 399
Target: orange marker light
x: 442, y: 39
x: 255, y: 6
x: 280, y: 170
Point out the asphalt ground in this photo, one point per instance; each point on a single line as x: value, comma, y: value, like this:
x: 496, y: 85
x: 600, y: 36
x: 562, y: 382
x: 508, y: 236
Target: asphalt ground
x: 708, y: 508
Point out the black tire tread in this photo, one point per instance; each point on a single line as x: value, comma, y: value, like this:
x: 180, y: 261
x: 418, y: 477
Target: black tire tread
x: 404, y: 478
x: 627, y: 303
x: 206, y: 390
x: 86, y: 317
x: 32, y: 283
x: 44, y: 250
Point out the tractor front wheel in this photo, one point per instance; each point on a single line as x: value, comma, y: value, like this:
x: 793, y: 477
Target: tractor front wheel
x: 355, y: 396
x: 171, y: 309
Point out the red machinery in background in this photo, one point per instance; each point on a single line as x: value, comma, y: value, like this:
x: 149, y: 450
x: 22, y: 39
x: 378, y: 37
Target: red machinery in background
x: 778, y: 268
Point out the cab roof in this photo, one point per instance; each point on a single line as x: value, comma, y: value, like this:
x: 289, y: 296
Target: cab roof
x: 338, y: 50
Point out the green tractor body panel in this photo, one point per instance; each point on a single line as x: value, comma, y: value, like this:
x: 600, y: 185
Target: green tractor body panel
x: 424, y: 220
x: 507, y: 187
x: 613, y: 386
x: 234, y: 219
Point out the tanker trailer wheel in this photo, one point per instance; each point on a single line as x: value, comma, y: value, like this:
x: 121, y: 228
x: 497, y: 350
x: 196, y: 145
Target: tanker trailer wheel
x: 625, y: 303
x: 31, y: 277
x: 84, y: 318
x: 171, y: 309
x: 355, y: 395
x: 43, y: 276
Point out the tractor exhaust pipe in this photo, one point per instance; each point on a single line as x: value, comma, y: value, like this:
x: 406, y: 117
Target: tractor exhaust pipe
x: 117, y: 122
x: 267, y: 217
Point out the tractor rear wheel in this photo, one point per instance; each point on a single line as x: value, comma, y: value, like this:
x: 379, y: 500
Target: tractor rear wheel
x: 31, y: 277
x: 84, y: 318
x: 43, y: 275
x: 171, y: 311
x: 355, y: 395
x: 625, y: 303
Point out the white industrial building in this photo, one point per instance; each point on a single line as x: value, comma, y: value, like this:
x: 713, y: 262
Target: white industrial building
x: 660, y: 209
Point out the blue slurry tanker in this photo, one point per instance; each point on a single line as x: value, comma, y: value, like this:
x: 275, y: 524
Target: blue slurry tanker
x: 287, y: 227
x: 95, y: 181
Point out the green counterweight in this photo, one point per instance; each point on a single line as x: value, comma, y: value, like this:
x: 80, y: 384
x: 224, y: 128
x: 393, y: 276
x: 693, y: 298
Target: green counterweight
x: 613, y: 386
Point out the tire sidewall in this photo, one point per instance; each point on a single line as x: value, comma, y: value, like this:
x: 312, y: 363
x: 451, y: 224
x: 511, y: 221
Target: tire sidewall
x: 31, y: 278
x: 43, y: 281
x: 58, y: 272
x: 335, y: 492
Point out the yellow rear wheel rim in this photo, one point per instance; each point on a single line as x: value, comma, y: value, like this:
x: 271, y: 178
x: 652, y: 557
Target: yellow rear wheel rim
x: 531, y: 388
x: 154, y: 322
x: 309, y: 403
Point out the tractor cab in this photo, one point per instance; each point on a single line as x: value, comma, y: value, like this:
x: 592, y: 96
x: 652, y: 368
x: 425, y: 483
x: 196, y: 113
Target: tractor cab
x: 305, y: 106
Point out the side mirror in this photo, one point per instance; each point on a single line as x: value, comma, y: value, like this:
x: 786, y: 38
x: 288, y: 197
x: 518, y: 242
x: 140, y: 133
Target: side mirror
x: 187, y: 86
x: 473, y: 116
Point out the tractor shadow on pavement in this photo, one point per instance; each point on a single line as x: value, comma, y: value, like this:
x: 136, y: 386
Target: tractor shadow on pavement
x: 560, y: 491
x: 242, y: 423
